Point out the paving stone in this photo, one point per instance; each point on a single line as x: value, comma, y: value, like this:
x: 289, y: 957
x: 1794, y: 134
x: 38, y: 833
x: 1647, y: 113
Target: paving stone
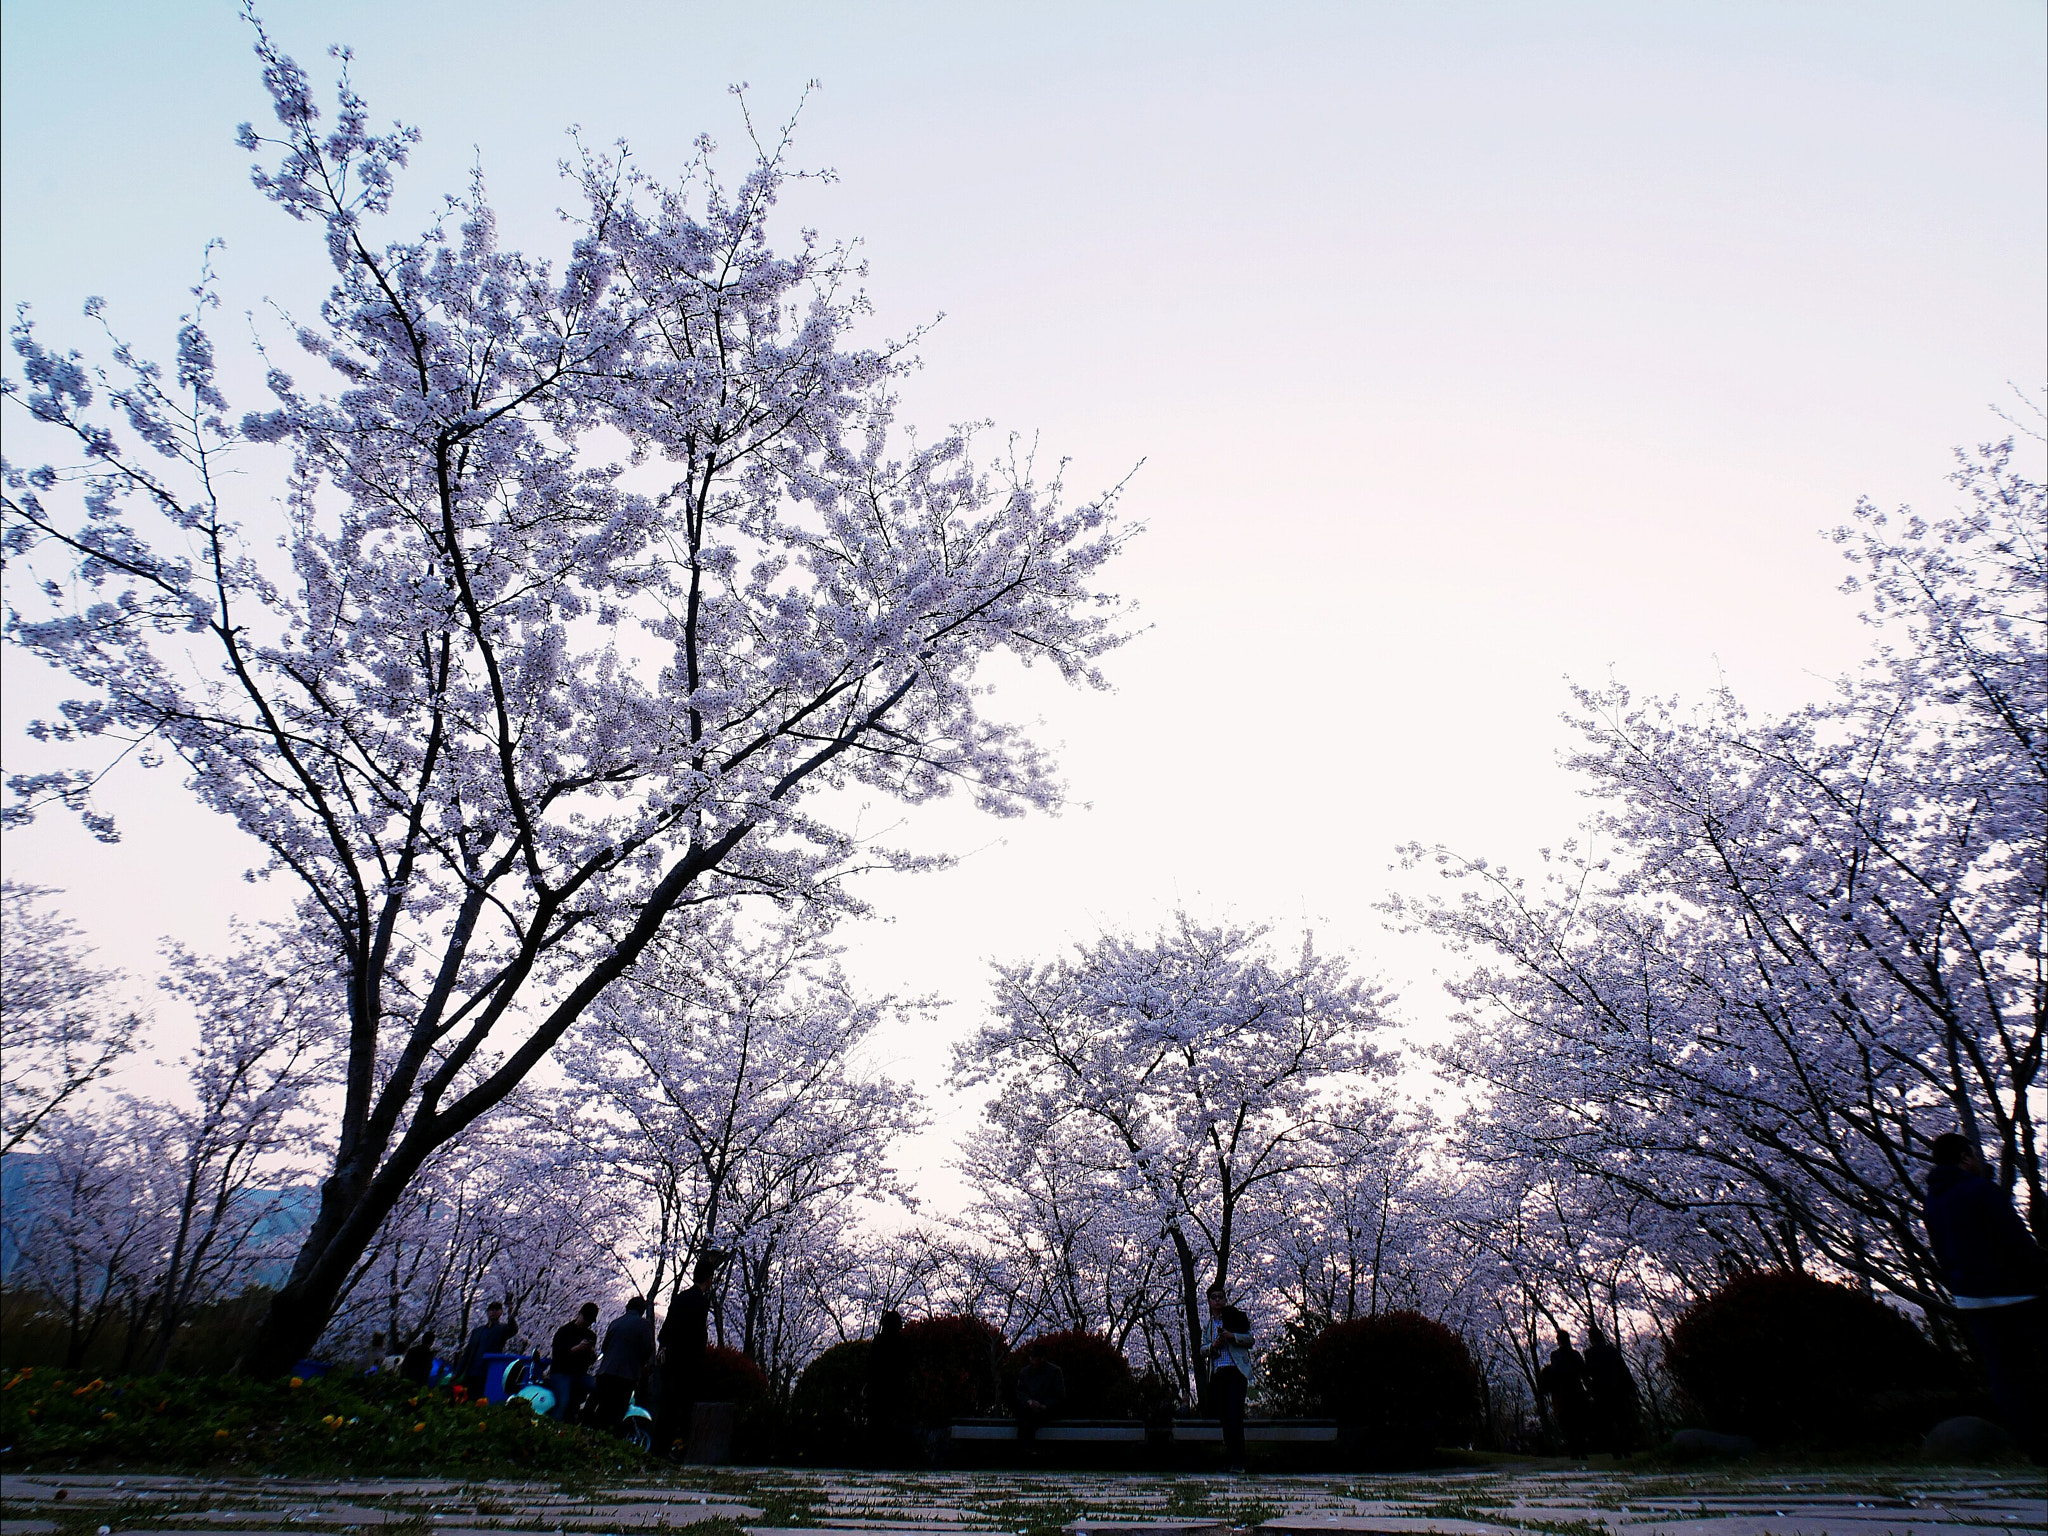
x: 1813, y: 1523
x: 26, y: 1527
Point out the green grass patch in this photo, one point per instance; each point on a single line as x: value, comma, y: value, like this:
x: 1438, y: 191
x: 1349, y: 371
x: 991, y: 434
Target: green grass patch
x: 52, y: 1420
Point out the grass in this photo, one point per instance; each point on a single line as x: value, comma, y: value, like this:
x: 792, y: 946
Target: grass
x: 54, y: 1420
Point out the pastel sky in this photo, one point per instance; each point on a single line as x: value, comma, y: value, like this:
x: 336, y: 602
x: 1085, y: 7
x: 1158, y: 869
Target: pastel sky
x: 1468, y: 348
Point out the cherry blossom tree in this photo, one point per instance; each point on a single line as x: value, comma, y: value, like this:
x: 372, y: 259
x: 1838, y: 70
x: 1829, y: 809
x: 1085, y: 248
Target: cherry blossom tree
x: 63, y: 1022
x: 505, y: 1211
x: 723, y: 1079
x: 1207, y: 1066
x: 81, y: 1224
x: 1052, y: 1209
x: 1349, y: 1237
x: 585, y: 579
x: 1816, y: 942
x: 266, y: 1027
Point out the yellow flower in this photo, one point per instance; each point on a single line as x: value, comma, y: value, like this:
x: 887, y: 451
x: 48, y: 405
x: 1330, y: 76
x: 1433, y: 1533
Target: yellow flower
x: 298, y: 1381
x: 220, y: 1434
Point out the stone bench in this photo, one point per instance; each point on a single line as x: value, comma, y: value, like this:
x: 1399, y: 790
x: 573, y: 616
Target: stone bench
x: 1269, y: 1431
x: 1131, y: 1432
x: 1106, y: 1431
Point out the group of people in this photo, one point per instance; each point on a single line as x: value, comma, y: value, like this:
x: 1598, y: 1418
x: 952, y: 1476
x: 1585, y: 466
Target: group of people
x: 1592, y: 1397
x: 595, y: 1382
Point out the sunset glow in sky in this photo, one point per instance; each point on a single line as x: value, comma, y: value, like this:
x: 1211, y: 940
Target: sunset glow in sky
x: 1467, y: 349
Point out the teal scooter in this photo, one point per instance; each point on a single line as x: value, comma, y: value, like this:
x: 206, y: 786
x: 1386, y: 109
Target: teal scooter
x: 637, y: 1428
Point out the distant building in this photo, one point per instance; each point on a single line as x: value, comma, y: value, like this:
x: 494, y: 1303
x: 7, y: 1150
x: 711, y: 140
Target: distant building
x: 280, y: 1217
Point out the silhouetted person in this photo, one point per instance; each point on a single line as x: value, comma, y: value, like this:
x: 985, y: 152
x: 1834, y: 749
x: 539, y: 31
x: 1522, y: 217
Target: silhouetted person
x: 628, y: 1346
x: 1227, y: 1348
x: 1998, y: 1276
x: 888, y: 1391
x: 1563, y: 1381
x: 418, y: 1365
x: 684, y: 1339
x: 488, y: 1337
x: 1041, y: 1396
x: 1611, y: 1393
x: 571, y: 1359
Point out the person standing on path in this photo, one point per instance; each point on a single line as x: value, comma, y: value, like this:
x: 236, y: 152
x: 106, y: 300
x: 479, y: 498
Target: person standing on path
x: 570, y: 1361
x: 628, y: 1346
x: 1998, y: 1276
x: 487, y: 1338
x: 1563, y: 1381
x: 1227, y: 1350
x: 888, y: 1386
x: 684, y: 1338
x: 1613, y: 1396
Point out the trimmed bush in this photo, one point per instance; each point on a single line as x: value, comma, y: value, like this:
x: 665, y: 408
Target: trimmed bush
x: 953, y: 1368
x: 1283, y: 1386
x: 1787, y: 1359
x: 826, y: 1405
x: 1406, y: 1383
x: 730, y: 1377
x: 1098, y: 1377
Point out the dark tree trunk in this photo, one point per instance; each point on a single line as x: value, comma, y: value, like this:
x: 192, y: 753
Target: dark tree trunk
x: 1191, y: 1310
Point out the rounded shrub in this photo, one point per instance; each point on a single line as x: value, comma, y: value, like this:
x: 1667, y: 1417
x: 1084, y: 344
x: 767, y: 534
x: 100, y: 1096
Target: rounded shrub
x: 1784, y: 1357
x: 953, y: 1365
x: 1404, y: 1382
x: 1098, y: 1377
x: 826, y: 1404
x: 728, y: 1376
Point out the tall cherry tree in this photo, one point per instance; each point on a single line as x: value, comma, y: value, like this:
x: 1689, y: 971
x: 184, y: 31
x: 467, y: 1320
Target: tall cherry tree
x: 582, y: 579
x: 1812, y: 943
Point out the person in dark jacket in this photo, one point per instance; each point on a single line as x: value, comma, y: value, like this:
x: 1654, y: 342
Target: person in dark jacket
x: 684, y: 1339
x: 628, y: 1346
x: 418, y: 1365
x: 487, y: 1338
x: 1611, y: 1393
x: 1563, y: 1381
x: 888, y: 1392
x: 1998, y: 1276
x: 1041, y: 1395
x: 570, y: 1362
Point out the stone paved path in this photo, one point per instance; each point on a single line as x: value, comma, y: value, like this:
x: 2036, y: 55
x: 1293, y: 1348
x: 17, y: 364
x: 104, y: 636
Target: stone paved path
x: 778, y: 1502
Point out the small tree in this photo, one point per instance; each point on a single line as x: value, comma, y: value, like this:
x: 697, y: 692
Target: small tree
x: 62, y: 1023
x: 1206, y: 1065
x: 584, y: 580
x: 720, y: 1079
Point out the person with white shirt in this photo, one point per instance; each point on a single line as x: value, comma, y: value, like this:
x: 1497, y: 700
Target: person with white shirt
x: 1227, y: 1348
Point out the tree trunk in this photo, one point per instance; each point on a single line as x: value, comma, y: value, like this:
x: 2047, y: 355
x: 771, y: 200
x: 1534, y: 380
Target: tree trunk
x: 1191, y: 1310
